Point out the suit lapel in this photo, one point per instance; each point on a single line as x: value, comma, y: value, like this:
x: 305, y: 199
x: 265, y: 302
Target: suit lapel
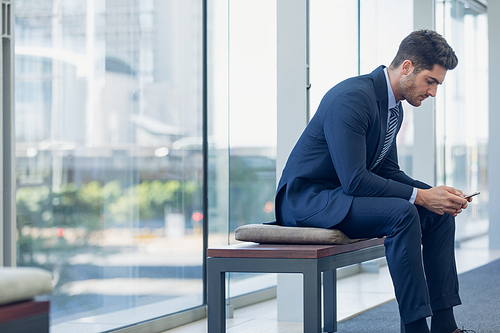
x: 380, y: 86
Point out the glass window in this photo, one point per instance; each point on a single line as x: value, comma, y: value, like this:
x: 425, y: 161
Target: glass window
x: 462, y: 112
x: 333, y: 56
x: 108, y: 154
x: 382, y: 28
x: 368, y: 40
x: 252, y: 111
x: 242, y: 121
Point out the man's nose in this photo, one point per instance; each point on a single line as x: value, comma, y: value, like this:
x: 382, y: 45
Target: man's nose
x: 432, y: 91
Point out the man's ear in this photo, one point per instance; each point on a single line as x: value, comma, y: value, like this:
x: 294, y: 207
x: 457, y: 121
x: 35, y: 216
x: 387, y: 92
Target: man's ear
x: 407, y: 67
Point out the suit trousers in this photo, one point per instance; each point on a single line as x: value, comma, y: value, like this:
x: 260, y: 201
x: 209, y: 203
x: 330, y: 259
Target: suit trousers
x: 420, y: 251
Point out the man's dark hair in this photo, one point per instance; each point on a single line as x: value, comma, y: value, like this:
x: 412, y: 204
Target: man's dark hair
x: 425, y: 48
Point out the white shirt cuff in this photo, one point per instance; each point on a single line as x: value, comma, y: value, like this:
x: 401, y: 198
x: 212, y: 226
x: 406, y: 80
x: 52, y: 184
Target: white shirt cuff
x: 413, y: 195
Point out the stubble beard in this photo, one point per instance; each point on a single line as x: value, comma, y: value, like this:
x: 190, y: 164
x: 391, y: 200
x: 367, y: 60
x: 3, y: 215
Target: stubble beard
x: 408, y: 88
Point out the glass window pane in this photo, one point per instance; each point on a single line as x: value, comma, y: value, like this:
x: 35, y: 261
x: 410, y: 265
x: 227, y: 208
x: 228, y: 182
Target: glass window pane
x: 252, y: 111
x: 109, y: 159
x: 366, y: 42
x: 382, y: 29
x: 333, y: 56
x: 462, y: 112
x: 242, y: 123
x: 218, y: 122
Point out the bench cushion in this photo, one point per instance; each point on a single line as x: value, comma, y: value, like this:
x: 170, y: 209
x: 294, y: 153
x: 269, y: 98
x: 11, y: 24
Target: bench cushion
x: 275, y: 234
x: 23, y: 283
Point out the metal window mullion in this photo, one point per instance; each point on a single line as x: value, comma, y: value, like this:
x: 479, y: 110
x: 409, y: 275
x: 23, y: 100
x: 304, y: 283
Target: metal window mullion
x: 205, y: 144
x: 7, y: 153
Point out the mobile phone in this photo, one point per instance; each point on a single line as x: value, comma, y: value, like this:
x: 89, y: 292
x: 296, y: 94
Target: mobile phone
x: 471, y: 195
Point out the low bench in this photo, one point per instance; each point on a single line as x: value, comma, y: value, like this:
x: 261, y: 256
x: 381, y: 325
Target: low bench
x: 311, y: 260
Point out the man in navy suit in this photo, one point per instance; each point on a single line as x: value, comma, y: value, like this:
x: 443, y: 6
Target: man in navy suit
x: 343, y: 173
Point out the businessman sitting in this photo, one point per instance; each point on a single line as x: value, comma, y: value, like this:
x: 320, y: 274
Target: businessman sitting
x: 343, y: 173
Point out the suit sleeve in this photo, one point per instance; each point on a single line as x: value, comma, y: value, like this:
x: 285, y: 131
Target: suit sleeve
x: 346, y: 125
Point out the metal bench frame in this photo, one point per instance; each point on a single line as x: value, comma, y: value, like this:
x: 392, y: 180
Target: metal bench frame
x: 310, y: 260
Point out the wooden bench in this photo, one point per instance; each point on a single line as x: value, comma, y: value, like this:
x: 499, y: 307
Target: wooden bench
x: 310, y: 260
x: 19, y: 312
x: 25, y: 317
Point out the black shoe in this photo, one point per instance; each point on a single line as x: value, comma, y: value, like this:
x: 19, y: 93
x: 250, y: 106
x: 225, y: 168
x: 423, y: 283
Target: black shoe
x: 458, y: 330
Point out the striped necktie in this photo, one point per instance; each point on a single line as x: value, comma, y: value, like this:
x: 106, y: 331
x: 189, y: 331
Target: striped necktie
x: 389, y: 136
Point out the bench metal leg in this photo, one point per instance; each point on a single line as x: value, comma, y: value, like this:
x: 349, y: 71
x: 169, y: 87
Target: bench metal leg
x: 329, y: 301
x: 312, y: 301
x: 216, y: 299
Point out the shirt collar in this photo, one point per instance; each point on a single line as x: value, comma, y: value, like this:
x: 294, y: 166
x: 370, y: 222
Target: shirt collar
x: 392, y: 98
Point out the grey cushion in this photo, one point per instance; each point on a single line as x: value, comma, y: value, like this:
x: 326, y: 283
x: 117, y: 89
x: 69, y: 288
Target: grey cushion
x: 275, y: 234
x: 23, y: 283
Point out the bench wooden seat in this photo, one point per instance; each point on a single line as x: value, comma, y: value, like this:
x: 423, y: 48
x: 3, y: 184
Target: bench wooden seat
x: 19, y: 312
x: 25, y: 317
x: 310, y: 260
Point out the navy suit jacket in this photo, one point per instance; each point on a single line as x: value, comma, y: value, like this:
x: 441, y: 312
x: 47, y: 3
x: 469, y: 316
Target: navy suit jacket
x: 333, y: 159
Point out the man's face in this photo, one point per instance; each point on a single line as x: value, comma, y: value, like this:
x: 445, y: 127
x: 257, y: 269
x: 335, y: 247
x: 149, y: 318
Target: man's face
x: 417, y: 87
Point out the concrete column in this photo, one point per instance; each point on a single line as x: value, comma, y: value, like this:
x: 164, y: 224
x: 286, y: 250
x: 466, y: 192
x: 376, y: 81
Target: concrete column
x: 292, y: 119
x: 494, y: 121
x: 424, y: 143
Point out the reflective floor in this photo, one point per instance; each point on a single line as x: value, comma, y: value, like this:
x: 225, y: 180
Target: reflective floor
x: 356, y: 294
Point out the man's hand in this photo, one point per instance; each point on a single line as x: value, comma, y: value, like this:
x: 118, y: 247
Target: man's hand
x: 442, y: 199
